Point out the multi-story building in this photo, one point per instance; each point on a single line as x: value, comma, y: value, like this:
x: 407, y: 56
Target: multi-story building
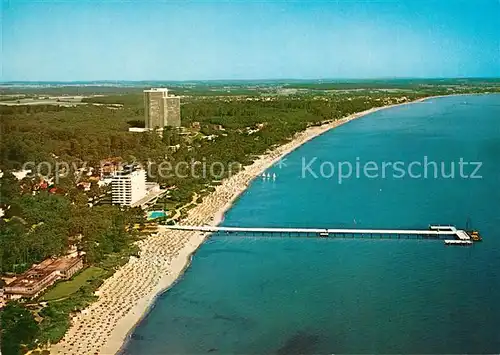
x: 161, y: 109
x: 128, y: 186
x: 40, y: 276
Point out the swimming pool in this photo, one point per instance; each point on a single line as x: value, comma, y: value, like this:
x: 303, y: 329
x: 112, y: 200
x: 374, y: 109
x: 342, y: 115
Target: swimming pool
x: 156, y: 214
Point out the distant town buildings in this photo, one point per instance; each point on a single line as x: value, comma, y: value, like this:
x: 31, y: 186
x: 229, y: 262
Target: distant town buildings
x: 19, y: 174
x: 161, y: 109
x: 128, y: 185
x: 196, y: 125
x: 109, y: 166
x: 40, y: 276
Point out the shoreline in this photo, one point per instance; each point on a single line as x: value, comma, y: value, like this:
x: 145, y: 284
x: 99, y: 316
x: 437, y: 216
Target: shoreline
x: 311, y: 133
x: 130, y: 294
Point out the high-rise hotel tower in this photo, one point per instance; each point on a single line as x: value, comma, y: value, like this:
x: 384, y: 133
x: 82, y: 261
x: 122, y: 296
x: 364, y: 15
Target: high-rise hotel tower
x: 128, y: 186
x: 161, y: 109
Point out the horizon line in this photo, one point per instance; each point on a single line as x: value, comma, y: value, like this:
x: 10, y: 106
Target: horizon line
x: 260, y: 79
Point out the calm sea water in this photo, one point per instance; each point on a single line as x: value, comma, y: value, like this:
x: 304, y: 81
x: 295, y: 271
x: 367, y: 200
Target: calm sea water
x: 292, y: 295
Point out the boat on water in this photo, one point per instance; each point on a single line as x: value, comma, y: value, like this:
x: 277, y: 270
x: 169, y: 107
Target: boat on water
x: 474, y: 235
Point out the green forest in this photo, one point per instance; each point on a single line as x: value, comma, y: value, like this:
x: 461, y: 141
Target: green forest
x: 40, y: 225
x: 92, y: 133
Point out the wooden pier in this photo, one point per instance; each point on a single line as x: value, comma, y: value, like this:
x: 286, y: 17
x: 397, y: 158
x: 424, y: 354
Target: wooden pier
x: 450, y: 234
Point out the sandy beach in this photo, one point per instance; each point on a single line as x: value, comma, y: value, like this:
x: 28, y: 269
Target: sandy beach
x: 125, y: 297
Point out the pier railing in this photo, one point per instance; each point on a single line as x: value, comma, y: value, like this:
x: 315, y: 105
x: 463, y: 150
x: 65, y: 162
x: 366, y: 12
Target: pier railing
x: 450, y: 234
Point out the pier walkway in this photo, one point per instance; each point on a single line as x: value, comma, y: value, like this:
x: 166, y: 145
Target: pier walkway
x: 451, y: 235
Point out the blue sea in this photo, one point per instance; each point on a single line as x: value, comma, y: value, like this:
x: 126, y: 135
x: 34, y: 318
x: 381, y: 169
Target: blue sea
x: 251, y: 295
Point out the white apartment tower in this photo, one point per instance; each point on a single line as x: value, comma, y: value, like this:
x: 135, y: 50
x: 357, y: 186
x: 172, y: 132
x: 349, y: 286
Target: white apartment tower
x: 128, y: 186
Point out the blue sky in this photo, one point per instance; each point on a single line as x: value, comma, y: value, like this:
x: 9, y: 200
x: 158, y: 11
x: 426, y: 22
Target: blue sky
x: 187, y: 40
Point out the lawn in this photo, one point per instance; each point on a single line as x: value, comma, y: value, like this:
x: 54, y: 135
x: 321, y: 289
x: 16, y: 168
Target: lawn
x: 65, y: 288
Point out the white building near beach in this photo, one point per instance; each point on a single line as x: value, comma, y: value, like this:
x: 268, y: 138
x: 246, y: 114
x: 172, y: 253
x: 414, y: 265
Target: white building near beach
x: 128, y: 186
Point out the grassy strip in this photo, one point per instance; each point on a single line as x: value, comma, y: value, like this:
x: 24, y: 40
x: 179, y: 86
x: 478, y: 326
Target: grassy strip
x: 67, y: 288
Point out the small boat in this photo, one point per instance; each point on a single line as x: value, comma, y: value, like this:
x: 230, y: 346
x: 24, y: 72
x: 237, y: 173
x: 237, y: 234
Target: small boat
x: 458, y: 242
x: 474, y: 235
